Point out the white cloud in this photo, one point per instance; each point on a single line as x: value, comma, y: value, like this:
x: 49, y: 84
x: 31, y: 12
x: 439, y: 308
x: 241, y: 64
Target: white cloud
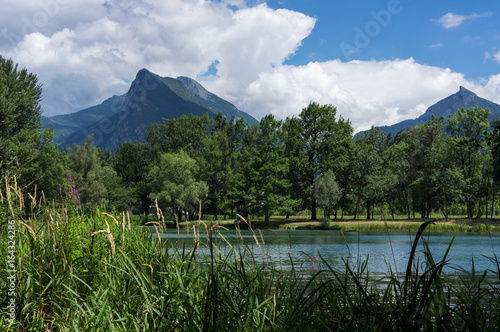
x: 171, y: 38
x: 367, y: 92
x: 436, y: 45
x: 451, y: 20
x: 497, y: 57
x: 89, y: 59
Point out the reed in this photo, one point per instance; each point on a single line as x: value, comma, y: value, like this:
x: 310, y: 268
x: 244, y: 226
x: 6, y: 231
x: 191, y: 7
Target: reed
x: 78, y: 272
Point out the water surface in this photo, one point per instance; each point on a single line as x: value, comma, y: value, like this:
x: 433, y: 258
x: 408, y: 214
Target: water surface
x: 383, y: 250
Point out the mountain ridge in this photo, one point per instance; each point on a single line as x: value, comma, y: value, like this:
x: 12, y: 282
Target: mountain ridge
x: 150, y: 99
x: 464, y: 98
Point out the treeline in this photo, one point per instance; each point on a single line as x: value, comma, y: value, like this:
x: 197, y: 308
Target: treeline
x: 223, y: 166
x: 312, y: 161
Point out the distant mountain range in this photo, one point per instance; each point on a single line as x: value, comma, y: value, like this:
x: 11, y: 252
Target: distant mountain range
x: 150, y: 99
x: 462, y: 99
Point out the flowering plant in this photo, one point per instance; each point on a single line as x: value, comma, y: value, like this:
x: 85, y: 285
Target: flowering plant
x: 72, y: 193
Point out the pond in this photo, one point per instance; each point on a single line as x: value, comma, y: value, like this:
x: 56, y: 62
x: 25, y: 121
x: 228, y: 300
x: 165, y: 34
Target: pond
x: 383, y: 250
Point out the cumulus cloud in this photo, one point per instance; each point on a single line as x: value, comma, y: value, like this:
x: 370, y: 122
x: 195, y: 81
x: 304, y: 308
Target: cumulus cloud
x: 367, y: 92
x: 89, y: 50
x: 451, y: 20
x: 171, y: 38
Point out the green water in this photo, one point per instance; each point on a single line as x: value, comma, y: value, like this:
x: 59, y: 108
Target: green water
x: 382, y: 249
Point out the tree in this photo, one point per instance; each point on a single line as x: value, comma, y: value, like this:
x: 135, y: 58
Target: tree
x: 24, y: 146
x: 317, y: 141
x: 467, y: 128
x: 219, y: 161
x: 495, y: 150
x: 132, y: 162
x: 366, y: 165
x: 173, y: 183
x: 296, y: 160
x: 20, y: 96
x: 97, y: 183
x: 262, y: 187
x: 326, y: 191
x: 187, y: 133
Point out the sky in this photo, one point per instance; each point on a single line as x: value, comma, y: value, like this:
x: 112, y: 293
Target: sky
x: 377, y: 62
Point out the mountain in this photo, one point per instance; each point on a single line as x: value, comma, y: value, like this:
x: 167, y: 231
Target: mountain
x: 462, y: 99
x: 214, y: 103
x: 150, y: 99
x: 69, y: 123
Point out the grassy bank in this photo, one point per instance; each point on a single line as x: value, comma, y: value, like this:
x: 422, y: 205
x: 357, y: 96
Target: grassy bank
x: 458, y: 224
x: 100, y: 272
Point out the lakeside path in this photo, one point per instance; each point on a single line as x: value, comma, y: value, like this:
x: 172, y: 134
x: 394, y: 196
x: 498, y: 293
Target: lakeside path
x: 455, y: 224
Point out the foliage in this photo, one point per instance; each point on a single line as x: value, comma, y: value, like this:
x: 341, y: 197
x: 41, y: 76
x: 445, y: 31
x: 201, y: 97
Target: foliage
x: 98, y: 272
x: 467, y: 128
x: 326, y: 191
x: 262, y: 187
x: 221, y: 161
x: 97, y: 184
x: 173, y: 183
x: 317, y: 141
x: 495, y: 143
x: 187, y: 133
x: 25, y: 150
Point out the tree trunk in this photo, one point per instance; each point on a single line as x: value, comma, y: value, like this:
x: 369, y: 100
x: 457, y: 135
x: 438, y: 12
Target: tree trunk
x: 493, y: 202
x: 392, y: 210
x: 382, y: 214
x: 357, y: 206
x: 443, y: 209
x: 486, y: 198
x: 313, y: 210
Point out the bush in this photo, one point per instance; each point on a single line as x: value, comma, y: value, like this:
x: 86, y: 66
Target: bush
x: 324, y: 223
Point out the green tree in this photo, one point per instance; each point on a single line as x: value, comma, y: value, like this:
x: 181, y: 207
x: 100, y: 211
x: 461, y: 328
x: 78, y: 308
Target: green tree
x: 262, y: 188
x: 219, y: 162
x: 296, y: 158
x: 366, y: 166
x: 132, y: 163
x: 494, y: 141
x: 25, y: 149
x: 467, y: 128
x: 187, y: 133
x: 97, y: 183
x: 327, y: 191
x: 317, y: 142
x: 174, y: 185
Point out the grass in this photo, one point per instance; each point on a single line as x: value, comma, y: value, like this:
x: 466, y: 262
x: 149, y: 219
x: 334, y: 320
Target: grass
x: 103, y: 273
x: 458, y: 224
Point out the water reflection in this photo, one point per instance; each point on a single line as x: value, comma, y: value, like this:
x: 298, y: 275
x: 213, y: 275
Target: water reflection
x: 382, y: 249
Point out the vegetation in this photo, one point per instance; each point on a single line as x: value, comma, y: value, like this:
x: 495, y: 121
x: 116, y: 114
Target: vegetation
x: 81, y: 265
x: 446, y: 166
x: 99, y: 272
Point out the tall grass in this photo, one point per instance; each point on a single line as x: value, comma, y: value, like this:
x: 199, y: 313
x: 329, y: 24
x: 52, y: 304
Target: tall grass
x: 98, y: 272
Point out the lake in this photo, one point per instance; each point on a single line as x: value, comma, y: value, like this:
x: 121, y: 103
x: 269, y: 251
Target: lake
x: 382, y: 249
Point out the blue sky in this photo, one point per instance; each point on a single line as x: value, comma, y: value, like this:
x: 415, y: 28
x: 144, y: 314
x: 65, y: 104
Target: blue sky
x: 378, y: 62
x: 411, y: 30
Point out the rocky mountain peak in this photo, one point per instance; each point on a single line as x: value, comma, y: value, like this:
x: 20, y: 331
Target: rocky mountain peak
x: 194, y: 87
x: 466, y: 95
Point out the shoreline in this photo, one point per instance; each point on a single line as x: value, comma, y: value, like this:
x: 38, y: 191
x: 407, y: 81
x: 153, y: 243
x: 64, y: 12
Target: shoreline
x: 459, y: 225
